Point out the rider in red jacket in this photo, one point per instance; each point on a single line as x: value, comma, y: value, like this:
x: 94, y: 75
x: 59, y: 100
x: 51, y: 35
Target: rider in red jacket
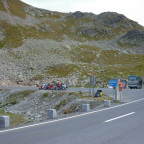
x: 58, y: 84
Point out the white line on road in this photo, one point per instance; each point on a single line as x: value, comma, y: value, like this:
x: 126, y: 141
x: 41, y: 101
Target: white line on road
x: 38, y: 124
x: 119, y: 117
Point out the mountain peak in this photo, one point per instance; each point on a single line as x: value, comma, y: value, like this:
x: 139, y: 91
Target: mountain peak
x: 114, y: 19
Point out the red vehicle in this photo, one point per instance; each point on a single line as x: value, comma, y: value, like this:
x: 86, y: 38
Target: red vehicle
x: 43, y: 86
x: 51, y: 87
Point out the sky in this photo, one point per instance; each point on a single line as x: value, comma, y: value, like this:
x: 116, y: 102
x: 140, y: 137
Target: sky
x: 133, y: 9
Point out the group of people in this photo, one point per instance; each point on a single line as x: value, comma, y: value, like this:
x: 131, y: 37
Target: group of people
x: 57, y: 84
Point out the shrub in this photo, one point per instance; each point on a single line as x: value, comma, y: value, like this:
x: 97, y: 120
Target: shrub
x: 45, y: 94
x: 14, y: 102
x: 61, y: 104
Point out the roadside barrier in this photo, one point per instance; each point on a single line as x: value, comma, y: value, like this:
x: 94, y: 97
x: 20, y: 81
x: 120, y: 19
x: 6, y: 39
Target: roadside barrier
x: 4, y: 122
x: 52, y: 113
x: 107, y: 103
x: 85, y: 107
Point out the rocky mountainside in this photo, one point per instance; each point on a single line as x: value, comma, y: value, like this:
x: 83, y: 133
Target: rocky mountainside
x: 39, y: 45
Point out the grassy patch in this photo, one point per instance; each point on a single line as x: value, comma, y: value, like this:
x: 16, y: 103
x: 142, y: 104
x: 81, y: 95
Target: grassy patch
x: 15, y: 119
x: 99, y: 99
x: 113, y: 64
x: 127, y: 45
x: 61, y: 104
x: 1, y: 45
x: 2, y: 8
x: 13, y: 37
x: 116, y: 101
x: 17, y: 97
x: 45, y: 95
x: 84, y: 55
x: 61, y: 70
x: 72, y: 93
x: 16, y: 7
x: 37, y: 77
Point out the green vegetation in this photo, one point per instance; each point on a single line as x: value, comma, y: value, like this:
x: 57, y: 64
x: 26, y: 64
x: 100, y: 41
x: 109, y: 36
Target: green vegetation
x: 16, y: 7
x: 98, y: 99
x: 37, y: 77
x: 13, y: 37
x: 127, y: 45
x: 110, y: 63
x: 16, y: 97
x: 1, y: 45
x: 116, y: 101
x: 85, y: 54
x: 72, y: 93
x: 45, y: 95
x: 61, y: 104
x: 2, y: 8
x: 82, y: 95
x: 15, y: 119
x: 61, y: 70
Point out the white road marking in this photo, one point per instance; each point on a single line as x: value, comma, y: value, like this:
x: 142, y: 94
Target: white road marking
x: 119, y: 117
x: 38, y: 124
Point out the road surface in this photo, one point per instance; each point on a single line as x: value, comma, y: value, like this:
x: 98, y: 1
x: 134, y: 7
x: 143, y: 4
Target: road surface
x: 122, y: 124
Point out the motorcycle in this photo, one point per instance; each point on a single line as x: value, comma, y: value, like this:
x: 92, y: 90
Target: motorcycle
x: 43, y: 86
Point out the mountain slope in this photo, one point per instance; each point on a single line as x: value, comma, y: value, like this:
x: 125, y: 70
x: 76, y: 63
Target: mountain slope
x: 37, y: 44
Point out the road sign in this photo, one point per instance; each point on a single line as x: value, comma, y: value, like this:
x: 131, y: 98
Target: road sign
x: 113, y: 83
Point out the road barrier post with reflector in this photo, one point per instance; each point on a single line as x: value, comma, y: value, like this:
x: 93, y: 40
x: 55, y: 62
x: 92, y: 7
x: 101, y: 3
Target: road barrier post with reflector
x: 118, y: 86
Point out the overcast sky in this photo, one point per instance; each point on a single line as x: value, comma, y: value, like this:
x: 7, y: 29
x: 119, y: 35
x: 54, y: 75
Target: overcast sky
x: 133, y: 9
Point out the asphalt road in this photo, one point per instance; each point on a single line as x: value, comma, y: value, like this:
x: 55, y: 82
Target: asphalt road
x: 122, y: 124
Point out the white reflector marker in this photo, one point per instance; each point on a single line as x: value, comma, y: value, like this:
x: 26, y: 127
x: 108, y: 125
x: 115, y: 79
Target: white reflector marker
x: 119, y: 117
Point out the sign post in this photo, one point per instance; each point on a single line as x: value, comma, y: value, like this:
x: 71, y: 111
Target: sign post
x: 92, y: 84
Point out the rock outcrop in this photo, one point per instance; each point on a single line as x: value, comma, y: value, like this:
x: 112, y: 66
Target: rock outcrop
x: 134, y: 38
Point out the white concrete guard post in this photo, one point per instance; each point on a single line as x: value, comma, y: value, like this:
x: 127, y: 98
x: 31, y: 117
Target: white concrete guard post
x: 4, y: 121
x: 85, y: 107
x: 117, y: 93
x: 52, y: 113
x: 107, y: 103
